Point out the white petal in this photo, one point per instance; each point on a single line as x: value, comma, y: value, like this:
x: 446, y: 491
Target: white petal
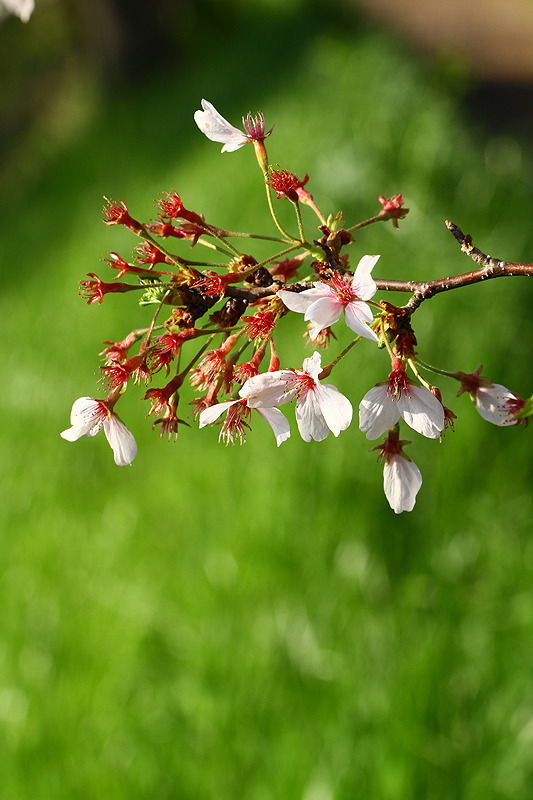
x: 73, y: 434
x: 81, y: 408
x: 295, y: 301
x: 211, y: 414
x: 357, y: 314
x: 401, y: 482
x: 362, y: 282
x: 268, y: 389
x: 491, y: 404
x: 22, y: 8
x: 121, y: 440
x: 335, y: 407
x: 313, y: 366
x: 85, y: 419
x: 311, y: 422
x: 377, y: 412
x: 422, y: 411
x: 322, y: 313
x: 218, y: 129
x: 277, y: 421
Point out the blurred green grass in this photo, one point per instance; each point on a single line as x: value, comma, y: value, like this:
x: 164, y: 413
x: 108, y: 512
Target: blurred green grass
x: 253, y: 622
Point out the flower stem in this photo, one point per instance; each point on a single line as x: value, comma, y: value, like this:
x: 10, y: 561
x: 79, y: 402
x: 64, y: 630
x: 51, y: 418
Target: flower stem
x: 216, y: 233
x: 328, y: 368
x: 146, y: 341
x: 244, y: 235
x: 377, y: 218
x: 385, y: 339
x: 422, y: 380
x: 277, y: 223
x: 195, y: 358
x: 436, y: 369
x: 298, y: 211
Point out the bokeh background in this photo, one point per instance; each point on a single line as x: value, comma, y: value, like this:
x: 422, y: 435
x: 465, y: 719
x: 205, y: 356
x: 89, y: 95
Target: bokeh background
x: 248, y: 622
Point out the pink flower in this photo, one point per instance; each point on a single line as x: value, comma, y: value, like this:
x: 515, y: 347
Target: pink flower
x: 401, y: 476
x: 218, y: 129
x: 236, y: 420
x: 381, y: 407
x: 89, y: 416
x: 320, y: 408
x: 324, y: 304
x: 493, y: 401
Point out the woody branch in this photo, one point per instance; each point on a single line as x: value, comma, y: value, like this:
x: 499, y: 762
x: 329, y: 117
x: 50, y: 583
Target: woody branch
x: 420, y: 290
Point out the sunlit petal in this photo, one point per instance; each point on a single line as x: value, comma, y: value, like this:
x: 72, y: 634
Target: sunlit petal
x: 218, y: 129
x: 401, y: 481
x: 277, y: 421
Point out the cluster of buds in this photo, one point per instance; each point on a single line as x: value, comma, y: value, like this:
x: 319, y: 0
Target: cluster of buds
x: 214, y: 324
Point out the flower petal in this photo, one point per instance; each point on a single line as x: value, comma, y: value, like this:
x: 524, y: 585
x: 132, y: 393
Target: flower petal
x: 335, y: 407
x: 268, y: 389
x: 357, y: 315
x: 362, y: 282
x: 277, y: 421
x: 82, y: 408
x: 322, y: 313
x: 377, y: 412
x: 73, y: 434
x: 218, y: 129
x: 401, y: 481
x: 313, y: 365
x: 22, y: 8
x: 86, y: 418
x: 491, y: 403
x: 211, y: 414
x: 295, y: 301
x: 422, y: 411
x: 311, y: 422
x: 121, y: 440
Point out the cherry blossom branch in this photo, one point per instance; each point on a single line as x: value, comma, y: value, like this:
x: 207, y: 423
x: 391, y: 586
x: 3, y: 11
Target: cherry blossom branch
x: 490, y: 268
x: 328, y: 291
x: 421, y: 290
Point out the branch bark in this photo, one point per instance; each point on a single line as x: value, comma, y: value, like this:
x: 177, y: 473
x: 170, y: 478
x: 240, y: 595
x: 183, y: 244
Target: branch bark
x: 420, y: 290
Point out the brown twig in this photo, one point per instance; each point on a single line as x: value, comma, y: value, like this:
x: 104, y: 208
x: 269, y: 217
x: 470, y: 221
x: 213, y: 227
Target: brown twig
x: 420, y: 290
x: 490, y: 268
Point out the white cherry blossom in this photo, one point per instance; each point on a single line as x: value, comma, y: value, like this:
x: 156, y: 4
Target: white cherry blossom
x: 89, y: 416
x: 382, y: 407
x: 218, y: 129
x: 234, y: 425
x: 324, y: 303
x: 494, y: 402
x: 320, y: 407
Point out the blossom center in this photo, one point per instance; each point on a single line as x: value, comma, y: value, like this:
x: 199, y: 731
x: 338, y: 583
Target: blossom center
x: 235, y: 423
x: 96, y: 413
x: 301, y: 383
x: 398, y: 384
x: 343, y: 290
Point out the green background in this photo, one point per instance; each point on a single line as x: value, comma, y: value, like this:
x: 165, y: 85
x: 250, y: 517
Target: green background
x: 248, y: 622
